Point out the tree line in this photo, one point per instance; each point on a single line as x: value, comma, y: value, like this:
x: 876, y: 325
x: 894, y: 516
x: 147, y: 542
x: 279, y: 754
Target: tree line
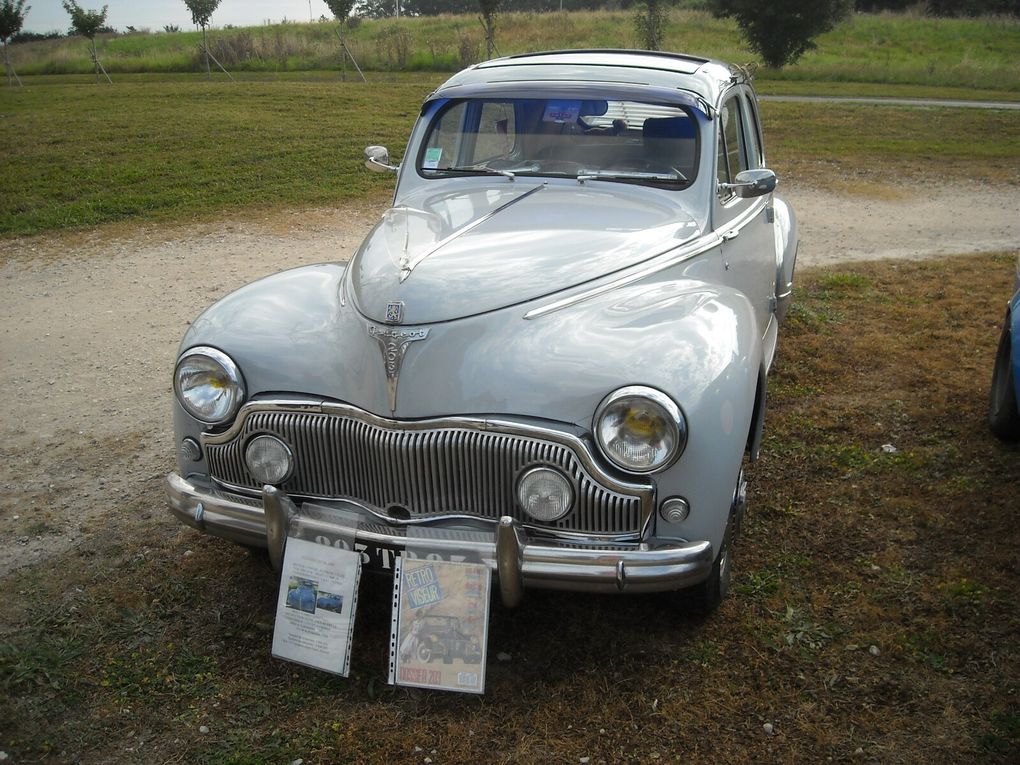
x: 943, y: 8
x: 386, y: 8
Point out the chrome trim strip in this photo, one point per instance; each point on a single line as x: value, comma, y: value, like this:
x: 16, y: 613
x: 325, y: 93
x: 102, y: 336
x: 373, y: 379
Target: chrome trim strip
x: 539, y: 532
x: 407, y: 267
x: 748, y: 215
x: 685, y: 252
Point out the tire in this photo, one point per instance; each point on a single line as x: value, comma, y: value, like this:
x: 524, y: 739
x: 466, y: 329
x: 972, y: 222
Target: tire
x: 424, y: 653
x: 704, y: 598
x: 1003, y: 418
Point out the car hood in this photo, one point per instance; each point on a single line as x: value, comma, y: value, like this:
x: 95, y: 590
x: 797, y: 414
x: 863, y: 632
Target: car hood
x: 453, y: 254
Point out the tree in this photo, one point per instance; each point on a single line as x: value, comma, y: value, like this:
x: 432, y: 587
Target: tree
x: 650, y: 22
x: 781, y: 31
x: 341, y: 10
x: 12, y: 17
x: 489, y: 9
x: 88, y: 24
x: 201, y: 12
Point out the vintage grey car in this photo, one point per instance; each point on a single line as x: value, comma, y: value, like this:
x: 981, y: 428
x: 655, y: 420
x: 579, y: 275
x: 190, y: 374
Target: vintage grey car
x: 551, y: 353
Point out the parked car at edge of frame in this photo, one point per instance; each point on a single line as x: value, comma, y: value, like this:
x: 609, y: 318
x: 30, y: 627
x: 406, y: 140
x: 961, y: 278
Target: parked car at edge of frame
x: 554, y: 345
x: 1004, y: 400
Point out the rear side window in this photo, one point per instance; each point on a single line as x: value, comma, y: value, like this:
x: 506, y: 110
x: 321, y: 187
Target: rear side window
x: 754, y: 133
x: 732, y: 157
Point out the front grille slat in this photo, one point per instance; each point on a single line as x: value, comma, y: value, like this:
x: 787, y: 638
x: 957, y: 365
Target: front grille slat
x: 427, y: 471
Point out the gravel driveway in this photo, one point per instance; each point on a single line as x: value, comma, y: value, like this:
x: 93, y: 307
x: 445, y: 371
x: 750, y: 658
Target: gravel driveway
x: 92, y: 321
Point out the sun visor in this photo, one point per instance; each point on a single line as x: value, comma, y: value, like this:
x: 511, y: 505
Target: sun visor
x: 588, y: 97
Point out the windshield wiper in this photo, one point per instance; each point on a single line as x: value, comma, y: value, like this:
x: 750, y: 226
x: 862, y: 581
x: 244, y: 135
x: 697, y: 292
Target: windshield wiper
x: 477, y: 169
x: 631, y: 175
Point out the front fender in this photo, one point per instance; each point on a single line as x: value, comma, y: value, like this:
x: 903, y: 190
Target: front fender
x: 787, y: 242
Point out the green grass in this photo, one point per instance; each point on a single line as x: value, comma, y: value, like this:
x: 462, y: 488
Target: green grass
x: 843, y: 144
x: 78, y: 156
x: 885, y: 49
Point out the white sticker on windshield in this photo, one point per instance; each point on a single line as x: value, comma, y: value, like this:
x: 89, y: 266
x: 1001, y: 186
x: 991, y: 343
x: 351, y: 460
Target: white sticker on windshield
x: 561, y: 111
x: 432, y: 157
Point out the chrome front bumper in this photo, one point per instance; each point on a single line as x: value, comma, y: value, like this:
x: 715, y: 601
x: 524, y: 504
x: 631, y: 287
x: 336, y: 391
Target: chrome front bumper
x: 516, y: 558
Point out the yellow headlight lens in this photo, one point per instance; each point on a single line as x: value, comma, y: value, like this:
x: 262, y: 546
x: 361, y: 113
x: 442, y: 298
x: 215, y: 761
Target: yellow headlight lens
x: 640, y: 429
x: 208, y: 385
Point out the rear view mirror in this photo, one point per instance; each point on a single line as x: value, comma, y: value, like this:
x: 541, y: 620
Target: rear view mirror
x: 752, y: 183
x: 377, y: 159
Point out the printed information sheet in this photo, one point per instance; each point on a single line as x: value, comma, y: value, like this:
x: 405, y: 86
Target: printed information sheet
x: 318, y: 600
x: 440, y: 625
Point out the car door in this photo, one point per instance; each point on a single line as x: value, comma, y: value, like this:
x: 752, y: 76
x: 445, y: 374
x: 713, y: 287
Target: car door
x: 745, y: 225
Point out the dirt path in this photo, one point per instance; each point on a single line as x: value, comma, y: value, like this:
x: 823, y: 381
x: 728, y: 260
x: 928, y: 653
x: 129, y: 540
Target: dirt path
x: 91, y: 323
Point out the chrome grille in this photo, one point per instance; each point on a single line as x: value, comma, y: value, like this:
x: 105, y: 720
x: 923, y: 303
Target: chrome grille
x: 427, y: 471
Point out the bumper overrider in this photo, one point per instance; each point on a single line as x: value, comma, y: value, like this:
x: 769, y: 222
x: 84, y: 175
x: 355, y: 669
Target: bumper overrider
x: 518, y: 558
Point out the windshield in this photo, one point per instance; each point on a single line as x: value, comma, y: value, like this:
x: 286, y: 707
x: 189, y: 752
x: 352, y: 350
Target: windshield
x: 626, y: 141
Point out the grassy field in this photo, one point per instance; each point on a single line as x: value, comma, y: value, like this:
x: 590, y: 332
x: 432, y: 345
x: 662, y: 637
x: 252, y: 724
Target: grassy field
x: 873, y: 617
x: 885, y: 49
x: 79, y: 156
x: 181, y: 148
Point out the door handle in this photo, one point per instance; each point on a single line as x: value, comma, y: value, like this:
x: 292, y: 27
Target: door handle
x: 731, y: 234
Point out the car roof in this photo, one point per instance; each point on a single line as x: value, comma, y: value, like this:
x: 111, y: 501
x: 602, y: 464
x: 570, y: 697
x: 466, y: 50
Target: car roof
x: 705, y: 77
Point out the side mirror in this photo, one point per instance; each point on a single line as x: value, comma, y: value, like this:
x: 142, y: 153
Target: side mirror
x: 377, y: 159
x: 752, y: 183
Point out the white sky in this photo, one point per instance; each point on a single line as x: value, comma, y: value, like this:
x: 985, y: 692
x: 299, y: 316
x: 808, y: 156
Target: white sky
x: 49, y: 15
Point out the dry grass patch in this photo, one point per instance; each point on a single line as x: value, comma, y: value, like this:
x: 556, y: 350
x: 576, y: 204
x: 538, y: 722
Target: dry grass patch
x: 873, y: 620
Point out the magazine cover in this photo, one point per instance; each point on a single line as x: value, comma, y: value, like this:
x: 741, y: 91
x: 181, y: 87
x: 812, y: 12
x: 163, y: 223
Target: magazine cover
x: 318, y: 600
x: 440, y: 625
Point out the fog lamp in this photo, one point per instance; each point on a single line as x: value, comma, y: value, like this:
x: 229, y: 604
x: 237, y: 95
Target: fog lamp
x: 544, y: 494
x: 675, y: 510
x: 269, y: 459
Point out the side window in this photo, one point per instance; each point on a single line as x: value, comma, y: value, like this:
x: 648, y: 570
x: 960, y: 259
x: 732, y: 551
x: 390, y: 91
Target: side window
x: 754, y: 133
x: 443, y: 144
x: 496, y: 130
x: 732, y: 155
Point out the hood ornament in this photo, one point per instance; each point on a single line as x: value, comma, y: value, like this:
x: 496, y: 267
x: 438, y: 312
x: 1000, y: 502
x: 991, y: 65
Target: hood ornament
x: 394, y: 341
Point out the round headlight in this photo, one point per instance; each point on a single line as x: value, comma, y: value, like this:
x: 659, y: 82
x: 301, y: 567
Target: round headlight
x: 268, y: 459
x: 545, y: 494
x: 640, y: 429
x: 208, y: 385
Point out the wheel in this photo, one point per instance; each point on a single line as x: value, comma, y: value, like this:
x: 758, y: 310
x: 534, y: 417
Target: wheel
x: 1003, y: 418
x: 704, y: 597
x: 424, y: 653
